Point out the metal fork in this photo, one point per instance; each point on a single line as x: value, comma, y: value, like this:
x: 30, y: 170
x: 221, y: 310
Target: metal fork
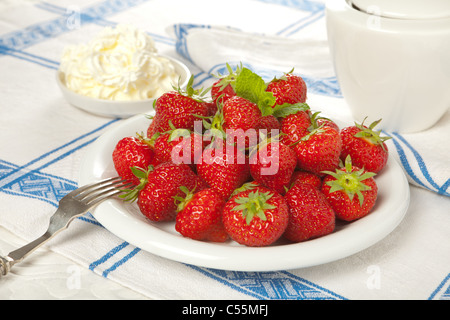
x: 71, y: 206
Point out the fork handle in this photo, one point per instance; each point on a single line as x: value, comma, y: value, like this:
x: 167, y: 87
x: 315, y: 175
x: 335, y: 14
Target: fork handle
x: 18, y: 255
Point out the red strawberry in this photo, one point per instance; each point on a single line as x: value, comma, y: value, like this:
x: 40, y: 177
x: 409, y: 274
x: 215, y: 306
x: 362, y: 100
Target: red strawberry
x: 151, y: 130
x: 212, y: 108
x: 181, y: 108
x: 223, y: 87
x: 199, y: 215
x: 289, y: 88
x: 295, y: 126
x: 159, y: 185
x: 269, y: 122
x: 132, y: 152
x: 256, y: 217
x: 251, y: 185
x: 351, y: 191
x: 239, y: 116
x: 171, y: 147
x: 320, y: 149
x: 223, y: 169
x: 306, y: 177
x: 327, y: 122
x: 310, y: 215
x: 365, y: 146
x: 272, y: 165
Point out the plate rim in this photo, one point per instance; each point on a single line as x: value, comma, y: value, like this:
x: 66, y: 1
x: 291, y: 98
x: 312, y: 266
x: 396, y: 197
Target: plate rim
x: 236, y: 257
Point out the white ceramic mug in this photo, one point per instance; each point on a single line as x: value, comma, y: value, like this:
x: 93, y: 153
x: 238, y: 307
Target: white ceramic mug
x: 392, y: 61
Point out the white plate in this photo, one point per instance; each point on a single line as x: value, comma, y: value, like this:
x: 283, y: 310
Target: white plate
x: 118, y: 109
x: 125, y: 221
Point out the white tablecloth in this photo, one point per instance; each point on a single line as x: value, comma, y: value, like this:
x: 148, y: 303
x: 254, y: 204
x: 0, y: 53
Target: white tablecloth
x: 44, y: 139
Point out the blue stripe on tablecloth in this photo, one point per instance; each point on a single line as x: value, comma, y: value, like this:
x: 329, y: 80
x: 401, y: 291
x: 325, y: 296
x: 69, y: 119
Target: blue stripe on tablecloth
x: 416, y: 161
x: 442, y: 291
x: 120, y: 262
x: 300, y: 24
x: 33, y: 34
x: 28, y: 181
x: 270, y: 285
x: 66, y: 149
x: 13, y: 43
x: 111, y: 254
x: 48, y: 63
x: 108, y: 255
x: 304, y: 5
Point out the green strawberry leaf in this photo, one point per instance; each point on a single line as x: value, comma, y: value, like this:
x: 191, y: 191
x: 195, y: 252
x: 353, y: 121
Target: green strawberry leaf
x: 283, y: 110
x: 252, y: 87
x: 254, y: 205
x: 349, y: 181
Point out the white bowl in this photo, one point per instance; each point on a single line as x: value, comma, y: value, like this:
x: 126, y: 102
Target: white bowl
x: 392, y: 61
x: 118, y: 109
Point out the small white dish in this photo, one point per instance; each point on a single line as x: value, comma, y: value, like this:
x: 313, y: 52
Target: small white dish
x: 118, y: 109
x: 161, y: 238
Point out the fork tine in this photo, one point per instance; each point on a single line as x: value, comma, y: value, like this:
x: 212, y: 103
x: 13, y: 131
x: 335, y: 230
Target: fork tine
x: 94, y: 199
x: 87, y: 187
x: 99, y: 188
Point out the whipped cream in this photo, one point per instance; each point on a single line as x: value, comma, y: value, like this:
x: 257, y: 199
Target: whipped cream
x: 120, y: 63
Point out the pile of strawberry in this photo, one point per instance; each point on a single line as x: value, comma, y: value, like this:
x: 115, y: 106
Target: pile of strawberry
x: 198, y: 165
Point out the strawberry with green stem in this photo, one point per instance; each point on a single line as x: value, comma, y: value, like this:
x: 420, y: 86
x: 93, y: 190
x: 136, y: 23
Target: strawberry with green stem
x: 223, y: 88
x: 179, y: 146
x: 180, y: 107
x: 351, y: 191
x: 133, y: 151
x: 320, y: 148
x: 256, y: 217
x: 158, y: 187
x: 365, y: 145
x: 289, y: 88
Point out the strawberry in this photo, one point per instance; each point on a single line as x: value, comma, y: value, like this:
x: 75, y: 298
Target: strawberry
x: 365, y: 146
x: 310, y: 214
x: 268, y: 123
x: 158, y: 187
x: 290, y: 88
x: 250, y: 185
x: 351, y: 191
x: 295, y: 126
x: 181, y: 108
x: 132, y: 152
x: 306, y: 177
x: 320, y: 149
x: 151, y: 130
x: 223, y: 87
x: 256, y: 217
x: 272, y: 165
x: 211, y: 107
x: 223, y: 167
x: 239, y: 116
x: 199, y: 215
x: 171, y: 147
